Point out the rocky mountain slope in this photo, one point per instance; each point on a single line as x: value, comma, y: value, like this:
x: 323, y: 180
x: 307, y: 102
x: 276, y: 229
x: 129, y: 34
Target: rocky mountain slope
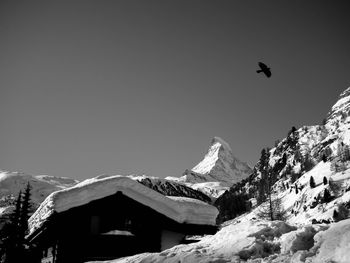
x: 218, y: 170
x: 320, y: 153
x: 171, y: 188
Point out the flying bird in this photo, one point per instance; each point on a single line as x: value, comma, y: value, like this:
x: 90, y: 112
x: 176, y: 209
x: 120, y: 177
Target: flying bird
x: 265, y: 69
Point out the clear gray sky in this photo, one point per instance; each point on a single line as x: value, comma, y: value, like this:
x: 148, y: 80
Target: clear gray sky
x: 121, y: 87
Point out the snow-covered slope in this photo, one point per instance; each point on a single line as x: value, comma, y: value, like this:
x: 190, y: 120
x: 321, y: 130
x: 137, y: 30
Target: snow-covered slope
x: 42, y: 185
x: 218, y: 170
x: 258, y: 241
x: 319, y: 151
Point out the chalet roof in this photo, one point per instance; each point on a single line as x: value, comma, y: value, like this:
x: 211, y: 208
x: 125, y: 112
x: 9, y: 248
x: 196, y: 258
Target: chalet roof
x: 179, y: 209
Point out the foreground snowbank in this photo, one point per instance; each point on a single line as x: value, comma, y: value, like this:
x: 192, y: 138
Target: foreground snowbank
x: 260, y: 241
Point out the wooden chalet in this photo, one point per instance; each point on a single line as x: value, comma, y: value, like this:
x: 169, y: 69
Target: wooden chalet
x: 107, y: 218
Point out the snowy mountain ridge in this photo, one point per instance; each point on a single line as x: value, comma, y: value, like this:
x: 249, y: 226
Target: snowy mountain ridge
x: 42, y: 185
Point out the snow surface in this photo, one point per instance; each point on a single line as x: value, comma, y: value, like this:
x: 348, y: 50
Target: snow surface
x: 213, y: 189
x: 261, y: 241
x: 258, y: 242
x: 41, y: 185
x: 182, y: 210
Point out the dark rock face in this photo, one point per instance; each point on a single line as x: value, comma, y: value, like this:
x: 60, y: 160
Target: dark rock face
x: 173, y: 189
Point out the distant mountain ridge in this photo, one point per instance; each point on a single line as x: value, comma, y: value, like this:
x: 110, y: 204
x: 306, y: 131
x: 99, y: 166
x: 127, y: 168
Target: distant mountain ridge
x: 210, y: 178
x: 42, y: 185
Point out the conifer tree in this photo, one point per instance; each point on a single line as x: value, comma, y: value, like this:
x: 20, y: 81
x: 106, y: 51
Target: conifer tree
x: 312, y: 182
x: 326, y: 196
x: 14, y: 231
x: 10, y: 234
x: 324, y: 158
x: 325, y: 181
x: 272, y: 209
x: 263, y: 169
x: 25, y: 213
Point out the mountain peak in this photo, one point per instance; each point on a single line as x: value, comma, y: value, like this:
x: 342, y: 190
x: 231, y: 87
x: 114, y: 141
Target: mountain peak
x: 217, y: 139
x: 345, y: 93
x: 342, y: 105
x: 218, y: 165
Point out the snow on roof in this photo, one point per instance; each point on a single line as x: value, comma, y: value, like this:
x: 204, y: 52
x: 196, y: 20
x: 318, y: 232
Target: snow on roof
x: 180, y: 209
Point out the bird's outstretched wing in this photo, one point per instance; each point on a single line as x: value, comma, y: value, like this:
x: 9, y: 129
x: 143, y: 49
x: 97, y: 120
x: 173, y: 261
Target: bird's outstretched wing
x: 265, y: 69
x: 262, y: 65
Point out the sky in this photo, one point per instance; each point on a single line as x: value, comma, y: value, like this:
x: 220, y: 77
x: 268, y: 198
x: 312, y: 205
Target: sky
x: 142, y: 87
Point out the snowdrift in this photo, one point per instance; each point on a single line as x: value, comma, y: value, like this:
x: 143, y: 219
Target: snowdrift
x: 260, y: 241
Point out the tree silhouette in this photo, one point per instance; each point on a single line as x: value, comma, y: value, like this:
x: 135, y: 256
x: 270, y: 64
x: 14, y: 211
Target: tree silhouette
x: 325, y: 181
x: 263, y: 167
x: 12, y: 235
x: 272, y: 209
x: 312, y: 182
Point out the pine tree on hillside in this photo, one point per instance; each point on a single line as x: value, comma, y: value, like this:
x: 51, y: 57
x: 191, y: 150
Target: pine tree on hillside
x: 293, y: 138
x: 325, y: 181
x: 263, y: 168
x: 346, y: 153
x: 272, y: 209
x: 324, y: 158
x: 25, y: 213
x: 14, y: 247
x: 10, y: 234
x: 326, y: 196
x: 312, y: 182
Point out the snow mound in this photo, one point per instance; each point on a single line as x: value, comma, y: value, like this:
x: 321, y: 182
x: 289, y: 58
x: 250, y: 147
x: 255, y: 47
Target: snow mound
x: 333, y: 245
x: 182, y: 210
x: 233, y: 243
x: 301, y: 239
x: 257, y: 241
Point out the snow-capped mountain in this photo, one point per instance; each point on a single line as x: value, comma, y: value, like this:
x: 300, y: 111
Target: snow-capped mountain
x: 42, y: 185
x: 218, y: 170
x: 218, y: 165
